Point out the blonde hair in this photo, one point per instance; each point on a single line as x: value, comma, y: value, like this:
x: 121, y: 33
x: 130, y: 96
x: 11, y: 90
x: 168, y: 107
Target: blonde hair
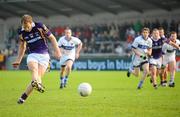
x: 26, y: 18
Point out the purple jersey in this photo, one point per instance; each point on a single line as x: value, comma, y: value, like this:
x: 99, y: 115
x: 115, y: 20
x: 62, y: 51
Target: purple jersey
x: 157, y: 48
x: 36, y: 38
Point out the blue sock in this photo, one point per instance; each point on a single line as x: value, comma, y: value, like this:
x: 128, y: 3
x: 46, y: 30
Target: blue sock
x: 62, y: 80
x: 65, y: 79
x: 140, y: 83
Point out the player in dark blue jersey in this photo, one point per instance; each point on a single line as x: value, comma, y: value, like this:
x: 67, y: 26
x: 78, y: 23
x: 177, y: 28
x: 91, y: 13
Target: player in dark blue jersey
x: 156, y: 56
x: 32, y: 38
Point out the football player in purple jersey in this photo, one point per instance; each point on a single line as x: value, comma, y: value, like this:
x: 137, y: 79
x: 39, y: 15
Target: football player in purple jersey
x: 33, y: 38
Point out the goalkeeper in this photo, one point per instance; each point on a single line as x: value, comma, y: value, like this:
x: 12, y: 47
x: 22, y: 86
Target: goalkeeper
x: 142, y: 47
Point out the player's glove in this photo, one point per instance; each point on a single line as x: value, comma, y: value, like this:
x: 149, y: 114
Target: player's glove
x: 143, y: 57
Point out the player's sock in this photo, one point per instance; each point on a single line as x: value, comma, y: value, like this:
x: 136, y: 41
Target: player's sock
x: 172, y: 79
x: 140, y: 84
x: 129, y: 71
x: 171, y: 82
x: 62, y: 82
x: 65, y: 80
x: 22, y: 98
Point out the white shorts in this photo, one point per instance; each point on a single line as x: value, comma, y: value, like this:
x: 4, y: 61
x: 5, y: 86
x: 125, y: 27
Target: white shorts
x: 64, y: 59
x: 137, y: 61
x: 156, y: 62
x: 42, y: 59
x: 168, y: 58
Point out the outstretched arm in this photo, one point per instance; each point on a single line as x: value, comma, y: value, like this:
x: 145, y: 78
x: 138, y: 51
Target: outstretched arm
x: 55, y: 46
x: 21, y: 51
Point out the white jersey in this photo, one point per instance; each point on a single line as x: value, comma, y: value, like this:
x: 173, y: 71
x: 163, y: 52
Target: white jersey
x: 68, y: 48
x: 141, y: 45
x: 169, y: 52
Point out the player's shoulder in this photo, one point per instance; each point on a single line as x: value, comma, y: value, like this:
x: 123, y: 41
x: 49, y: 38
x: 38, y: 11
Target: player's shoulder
x: 39, y: 24
x: 150, y: 39
x: 140, y: 37
x: 73, y: 37
x: 62, y: 38
x: 20, y: 30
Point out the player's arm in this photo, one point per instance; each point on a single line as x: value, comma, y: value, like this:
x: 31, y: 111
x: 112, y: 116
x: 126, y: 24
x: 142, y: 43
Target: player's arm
x: 52, y: 38
x: 21, y: 51
x: 171, y: 43
x: 149, y: 51
x: 55, y: 46
x: 164, y: 48
x: 136, y: 51
x: 174, y: 45
x: 79, y: 47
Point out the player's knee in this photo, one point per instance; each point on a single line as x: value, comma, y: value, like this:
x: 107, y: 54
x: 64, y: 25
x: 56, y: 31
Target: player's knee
x: 146, y: 71
x: 68, y: 68
x: 153, y: 73
x: 34, y: 70
x: 136, y: 74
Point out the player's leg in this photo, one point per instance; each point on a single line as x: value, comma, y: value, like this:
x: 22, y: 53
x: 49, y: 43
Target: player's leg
x: 145, y: 67
x: 62, y: 75
x: 62, y: 62
x: 172, y: 68
x: 41, y: 71
x: 43, y: 63
x: 164, y: 79
x: 131, y: 68
x: 33, y: 67
x: 154, y: 75
x: 69, y: 64
x: 136, y: 71
x: 164, y: 72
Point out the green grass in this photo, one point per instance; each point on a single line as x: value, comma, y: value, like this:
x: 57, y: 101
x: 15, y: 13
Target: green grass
x: 114, y: 95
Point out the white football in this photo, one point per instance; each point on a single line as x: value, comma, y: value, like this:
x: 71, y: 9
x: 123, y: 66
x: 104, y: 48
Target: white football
x: 84, y: 89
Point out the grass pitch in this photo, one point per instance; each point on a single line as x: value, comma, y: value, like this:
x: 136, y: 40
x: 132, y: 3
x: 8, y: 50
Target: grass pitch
x: 113, y: 95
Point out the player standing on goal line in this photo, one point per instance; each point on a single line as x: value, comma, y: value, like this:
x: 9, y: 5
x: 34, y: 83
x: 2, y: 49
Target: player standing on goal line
x: 32, y: 36
x: 70, y: 48
x: 142, y: 47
